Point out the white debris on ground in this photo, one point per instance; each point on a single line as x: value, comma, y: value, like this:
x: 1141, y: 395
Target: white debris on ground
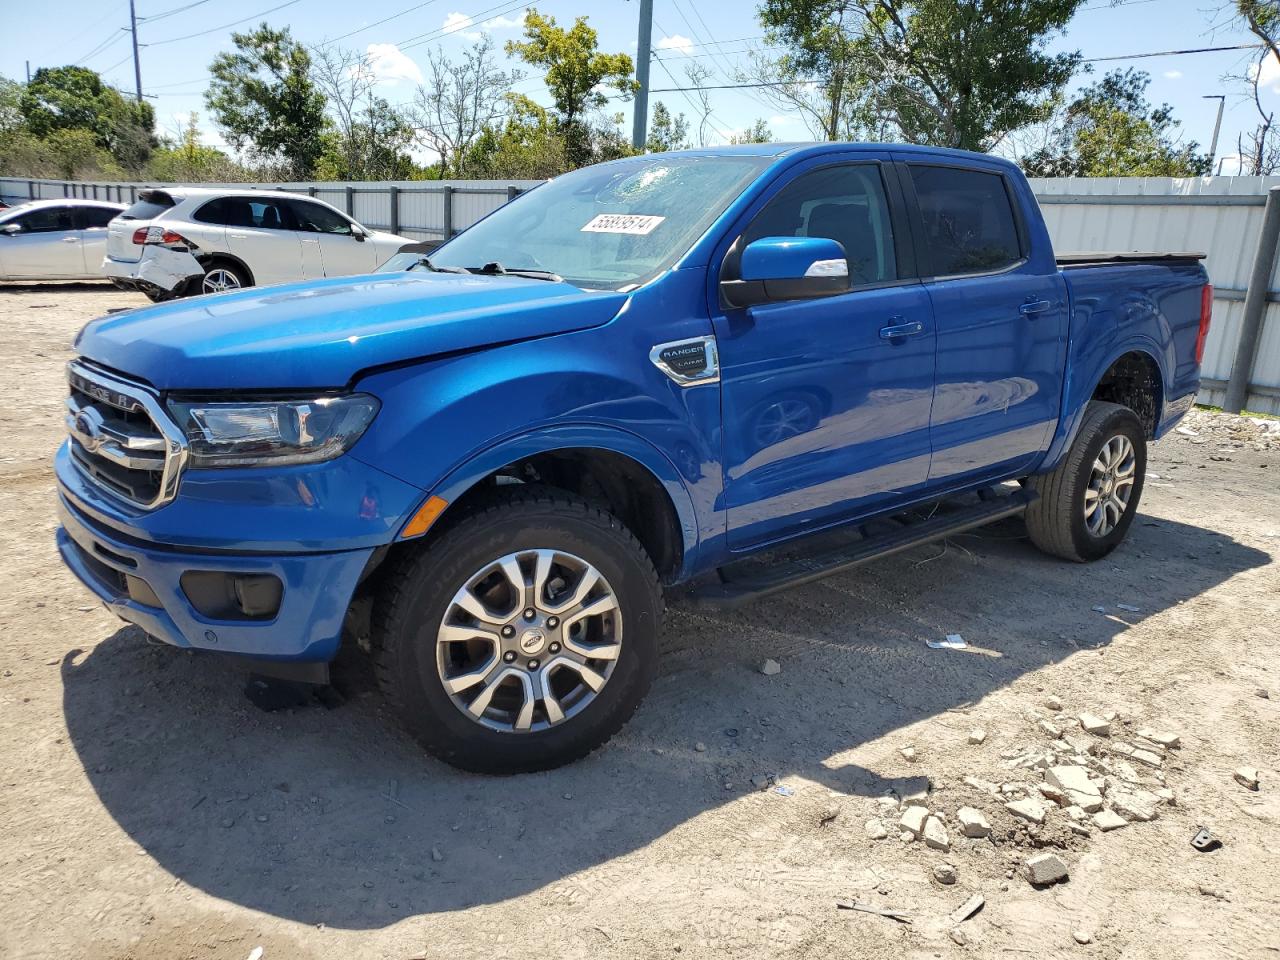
x: 1205, y: 427
x: 1081, y: 776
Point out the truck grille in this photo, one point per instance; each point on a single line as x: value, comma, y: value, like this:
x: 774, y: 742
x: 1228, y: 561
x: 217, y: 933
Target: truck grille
x: 121, y: 438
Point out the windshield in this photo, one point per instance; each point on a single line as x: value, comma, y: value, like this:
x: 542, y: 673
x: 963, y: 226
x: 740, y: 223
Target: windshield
x: 607, y: 227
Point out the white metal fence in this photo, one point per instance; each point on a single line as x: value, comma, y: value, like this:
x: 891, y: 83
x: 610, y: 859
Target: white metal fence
x: 1221, y: 216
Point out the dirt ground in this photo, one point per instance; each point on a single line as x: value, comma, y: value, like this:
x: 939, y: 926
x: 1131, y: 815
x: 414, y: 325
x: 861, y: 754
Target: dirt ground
x: 148, y: 810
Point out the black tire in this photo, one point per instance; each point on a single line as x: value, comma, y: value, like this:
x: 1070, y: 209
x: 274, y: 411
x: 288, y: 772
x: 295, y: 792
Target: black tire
x: 196, y: 286
x: 419, y: 586
x: 1056, y: 521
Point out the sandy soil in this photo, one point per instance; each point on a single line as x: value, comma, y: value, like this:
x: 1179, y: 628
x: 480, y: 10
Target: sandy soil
x: 148, y: 810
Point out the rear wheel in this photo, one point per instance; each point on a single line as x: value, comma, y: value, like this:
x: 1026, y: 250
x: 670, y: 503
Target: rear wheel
x: 220, y: 277
x: 523, y: 637
x: 1087, y: 503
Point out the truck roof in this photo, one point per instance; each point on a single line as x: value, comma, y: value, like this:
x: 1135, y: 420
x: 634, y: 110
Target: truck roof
x: 808, y: 148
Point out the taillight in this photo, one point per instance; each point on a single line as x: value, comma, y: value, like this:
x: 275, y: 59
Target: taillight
x: 1206, y: 317
x: 160, y: 237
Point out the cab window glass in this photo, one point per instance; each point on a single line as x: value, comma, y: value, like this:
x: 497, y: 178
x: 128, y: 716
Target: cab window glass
x: 264, y: 214
x: 94, y: 217
x: 968, y: 217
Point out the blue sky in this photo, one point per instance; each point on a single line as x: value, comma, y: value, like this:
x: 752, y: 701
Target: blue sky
x: 713, y: 33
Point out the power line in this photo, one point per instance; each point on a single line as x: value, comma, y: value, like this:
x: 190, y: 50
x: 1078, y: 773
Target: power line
x: 495, y: 11
x: 172, y: 12
x: 102, y: 47
x: 1177, y: 53
x: 378, y: 23
x: 233, y: 23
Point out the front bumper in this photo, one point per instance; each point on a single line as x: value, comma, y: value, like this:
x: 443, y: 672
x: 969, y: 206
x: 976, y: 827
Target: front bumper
x: 159, y: 269
x: 317, y: 589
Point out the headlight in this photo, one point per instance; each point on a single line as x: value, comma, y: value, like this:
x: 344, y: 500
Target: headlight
x: 272, y: 432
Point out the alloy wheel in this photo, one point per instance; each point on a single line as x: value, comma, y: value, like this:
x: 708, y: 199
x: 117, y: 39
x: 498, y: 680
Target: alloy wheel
x: 218, y: 280
x: 529, y: 641
x: 1110, y: 485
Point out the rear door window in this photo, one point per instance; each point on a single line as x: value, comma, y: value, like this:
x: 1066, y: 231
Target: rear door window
x: 265, y: 214
x: 969, y: 220
x: 95, y: 217
x: 844, y: 203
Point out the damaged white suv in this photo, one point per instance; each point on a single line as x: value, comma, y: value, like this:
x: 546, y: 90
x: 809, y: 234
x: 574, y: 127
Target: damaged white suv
x: 188, y: 240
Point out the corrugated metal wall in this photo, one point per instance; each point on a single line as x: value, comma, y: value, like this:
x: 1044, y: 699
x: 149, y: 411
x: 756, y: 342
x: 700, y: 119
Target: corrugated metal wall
x: 1219, y: 216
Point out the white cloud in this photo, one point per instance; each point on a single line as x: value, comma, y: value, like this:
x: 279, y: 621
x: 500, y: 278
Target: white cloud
x: 391, y: 65
x: 676, y: 42
x: 1173, y: 74
x: 465, y: 26
x: 460, y: 23
x: 1270, y: 74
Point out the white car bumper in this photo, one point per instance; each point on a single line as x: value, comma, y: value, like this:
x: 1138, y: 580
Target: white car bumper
x: 159, y: 268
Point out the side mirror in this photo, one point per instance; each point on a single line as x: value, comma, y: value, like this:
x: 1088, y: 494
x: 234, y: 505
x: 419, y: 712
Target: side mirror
x: 358, y: 233
x: 11, y: 228
x: 788, y: 268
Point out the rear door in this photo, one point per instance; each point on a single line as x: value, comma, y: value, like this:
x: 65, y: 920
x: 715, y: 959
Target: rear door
x: 260, y: 231
x: 93, y: 221
x: 343, y: 250
x: 1001, y: 317
x: 46, y: 245
x: 826, y: 402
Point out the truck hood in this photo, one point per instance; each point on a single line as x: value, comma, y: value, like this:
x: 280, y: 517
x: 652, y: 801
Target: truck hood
x: 323, y: 332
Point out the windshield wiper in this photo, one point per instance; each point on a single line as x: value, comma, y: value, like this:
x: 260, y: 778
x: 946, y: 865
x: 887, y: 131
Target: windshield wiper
x: 426, y: 262
x: 495, y: 269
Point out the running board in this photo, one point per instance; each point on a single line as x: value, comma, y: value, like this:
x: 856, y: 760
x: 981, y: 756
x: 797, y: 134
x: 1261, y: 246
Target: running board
x: 776, y: 577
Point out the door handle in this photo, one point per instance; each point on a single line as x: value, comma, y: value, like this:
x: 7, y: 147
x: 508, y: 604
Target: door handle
x: 238, y: 236
x: 896, y: 331
x: 1032, y: 307
x: 70, y: 239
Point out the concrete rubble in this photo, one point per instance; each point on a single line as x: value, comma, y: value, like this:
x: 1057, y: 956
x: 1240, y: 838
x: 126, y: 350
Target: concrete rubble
x: 1044, y: 869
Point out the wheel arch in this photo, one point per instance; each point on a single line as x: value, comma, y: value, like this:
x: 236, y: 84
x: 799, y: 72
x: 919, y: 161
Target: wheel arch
x: 209, y: 259
x: 624, y: 472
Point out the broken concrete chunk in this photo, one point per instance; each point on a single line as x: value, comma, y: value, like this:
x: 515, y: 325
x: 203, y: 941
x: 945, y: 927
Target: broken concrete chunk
x: 1044, y: 869
x: 945, y: 873
x: 1029, y: 809
x: 1070, y: 779
x: 1079, y: 744
x: 1148, y: 758
x: 986, y: 786
x: 967, y: 909
x: 1091, y: 723
x: 973, y: 823
x: 911, y: 790
x: 1049, y: 729
x: 1105, y: 820
x: 1167, y: 795
x: 935, y: 835
x: 913, y: 819
x: 1170, y: 741
x: 1247, y: 777
x: 908, y: 754
x: 1137, y: 805
x: 977, y: 735
x: 1053, y: 703
x: 875, y: 830
x: 770, y: 667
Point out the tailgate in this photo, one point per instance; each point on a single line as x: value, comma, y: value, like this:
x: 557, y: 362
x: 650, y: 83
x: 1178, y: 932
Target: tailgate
x: 120, y: 245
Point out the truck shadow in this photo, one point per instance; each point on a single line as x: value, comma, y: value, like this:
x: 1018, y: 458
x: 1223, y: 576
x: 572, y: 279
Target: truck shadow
x: 336, y: 817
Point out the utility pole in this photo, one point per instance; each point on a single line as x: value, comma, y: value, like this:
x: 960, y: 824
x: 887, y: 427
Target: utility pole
x: 640, y: 123
x: 28, y: 73
x: 1217, y: 125
x: 137, y: 67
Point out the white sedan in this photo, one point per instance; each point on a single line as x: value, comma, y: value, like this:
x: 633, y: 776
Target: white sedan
x: 188, y: 240
x: 55, y: 239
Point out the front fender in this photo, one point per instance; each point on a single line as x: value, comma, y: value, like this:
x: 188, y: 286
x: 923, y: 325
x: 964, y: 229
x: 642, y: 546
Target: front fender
x: 579, y: 436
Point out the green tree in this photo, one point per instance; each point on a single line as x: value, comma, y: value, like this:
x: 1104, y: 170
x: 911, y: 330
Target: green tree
x: 63, y: 99
x: 577, y: 74
x: 527, y: 145
x: 758, y: 132
x: 264, y: 101
x: 1259, y: 149
x: 955, y: 73
x: 666, y: 132
x: 1110, y: 130
x: 185, y: 159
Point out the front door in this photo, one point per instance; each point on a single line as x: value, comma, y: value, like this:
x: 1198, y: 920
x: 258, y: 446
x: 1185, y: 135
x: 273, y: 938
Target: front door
x: 826, y: 402
x: 1001, y: 318
x: 342, y: 251
x: 46, y: 245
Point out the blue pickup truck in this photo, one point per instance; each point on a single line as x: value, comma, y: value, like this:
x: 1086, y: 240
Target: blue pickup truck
x: 672, y: 369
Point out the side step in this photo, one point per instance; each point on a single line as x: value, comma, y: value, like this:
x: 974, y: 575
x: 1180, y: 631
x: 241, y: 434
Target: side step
x: 776, y: 577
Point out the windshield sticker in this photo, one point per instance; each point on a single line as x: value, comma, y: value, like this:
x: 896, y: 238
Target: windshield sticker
x: 622, y: 223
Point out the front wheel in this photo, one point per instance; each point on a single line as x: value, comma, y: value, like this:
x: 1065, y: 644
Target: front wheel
x: 523, y: 637
x: 1087, y: 503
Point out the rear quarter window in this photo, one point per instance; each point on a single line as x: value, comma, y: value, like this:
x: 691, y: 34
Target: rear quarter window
x: 969, y: 221
x: 148, y: 206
